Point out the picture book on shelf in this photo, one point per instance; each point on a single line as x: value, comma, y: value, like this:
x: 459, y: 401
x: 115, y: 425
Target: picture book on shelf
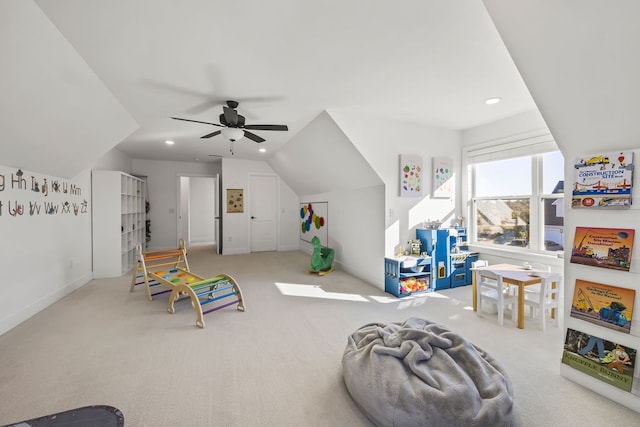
x: 603, y: 180
x: 604, y: 305
x: 604, y: 360
x: 603, y: 247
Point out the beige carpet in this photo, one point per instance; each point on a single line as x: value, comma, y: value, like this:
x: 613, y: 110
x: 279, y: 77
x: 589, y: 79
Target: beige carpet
x: 277, y: 364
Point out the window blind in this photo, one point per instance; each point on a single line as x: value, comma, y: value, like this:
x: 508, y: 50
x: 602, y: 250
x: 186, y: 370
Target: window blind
x: 509, y: 149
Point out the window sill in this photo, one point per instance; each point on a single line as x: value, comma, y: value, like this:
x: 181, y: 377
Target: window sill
x: 553, y: 259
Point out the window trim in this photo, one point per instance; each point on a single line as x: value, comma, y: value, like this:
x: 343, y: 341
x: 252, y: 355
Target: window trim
x: 534, y: 145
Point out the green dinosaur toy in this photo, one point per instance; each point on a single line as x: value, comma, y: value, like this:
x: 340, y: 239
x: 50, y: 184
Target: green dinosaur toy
x: 322, y: 258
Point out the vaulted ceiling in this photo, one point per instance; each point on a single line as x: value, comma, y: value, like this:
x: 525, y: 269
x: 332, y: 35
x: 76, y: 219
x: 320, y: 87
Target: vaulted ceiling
x: 86, y: 75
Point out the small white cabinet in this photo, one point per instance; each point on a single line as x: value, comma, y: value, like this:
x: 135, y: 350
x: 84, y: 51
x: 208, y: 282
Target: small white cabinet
x: 118, y: 221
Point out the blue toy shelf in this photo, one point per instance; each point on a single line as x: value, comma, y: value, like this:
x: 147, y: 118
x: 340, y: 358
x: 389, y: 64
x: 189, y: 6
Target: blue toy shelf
x: 399, y: 273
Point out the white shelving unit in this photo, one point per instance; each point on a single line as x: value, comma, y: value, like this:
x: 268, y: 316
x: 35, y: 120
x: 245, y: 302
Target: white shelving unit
x: 118, y: 215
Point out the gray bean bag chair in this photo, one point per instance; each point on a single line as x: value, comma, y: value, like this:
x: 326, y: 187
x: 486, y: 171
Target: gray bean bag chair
x: 417, y: 373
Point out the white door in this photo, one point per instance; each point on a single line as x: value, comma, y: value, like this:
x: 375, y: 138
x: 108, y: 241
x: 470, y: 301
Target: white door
x: 263, y: 205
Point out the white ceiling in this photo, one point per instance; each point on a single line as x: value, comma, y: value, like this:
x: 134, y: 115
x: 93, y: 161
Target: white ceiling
x: 430, y: 62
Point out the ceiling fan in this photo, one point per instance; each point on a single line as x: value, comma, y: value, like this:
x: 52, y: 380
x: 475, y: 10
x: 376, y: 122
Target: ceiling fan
x: 233, y: 125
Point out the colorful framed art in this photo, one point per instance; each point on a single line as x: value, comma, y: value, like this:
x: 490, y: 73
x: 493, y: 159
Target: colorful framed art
x: 411, y: 176
x: 443, y: 186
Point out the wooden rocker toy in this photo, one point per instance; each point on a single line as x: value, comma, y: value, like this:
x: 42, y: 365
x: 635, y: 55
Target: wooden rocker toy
x: 321, y: 259
x: 154, y: 261
x: 168, y: 269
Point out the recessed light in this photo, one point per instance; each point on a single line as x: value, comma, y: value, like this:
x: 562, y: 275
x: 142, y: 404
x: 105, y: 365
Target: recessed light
x: 262, y: 150
x: 492, y: 101
x: 169, y: 142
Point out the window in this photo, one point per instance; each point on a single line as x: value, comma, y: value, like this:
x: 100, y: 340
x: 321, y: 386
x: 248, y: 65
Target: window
x: 518, y: 202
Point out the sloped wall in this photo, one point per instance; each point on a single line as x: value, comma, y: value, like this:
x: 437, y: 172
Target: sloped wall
x: 381, y: 142
x: 56, y: 115
x: 321, y: 164
x: 352, y: 161
x: 320, y: 158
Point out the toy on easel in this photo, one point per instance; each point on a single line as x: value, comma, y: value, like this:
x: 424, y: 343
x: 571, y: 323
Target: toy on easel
x: 321, y: 259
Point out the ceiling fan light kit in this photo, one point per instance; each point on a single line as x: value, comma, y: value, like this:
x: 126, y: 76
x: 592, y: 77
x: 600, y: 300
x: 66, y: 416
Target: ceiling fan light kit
x: 232, y: 134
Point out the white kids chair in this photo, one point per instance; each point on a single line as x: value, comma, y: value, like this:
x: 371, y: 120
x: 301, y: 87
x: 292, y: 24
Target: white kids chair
x: 490, y: 288
x: 547, y: 299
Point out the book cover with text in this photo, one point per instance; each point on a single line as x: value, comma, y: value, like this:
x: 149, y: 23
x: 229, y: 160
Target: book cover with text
x: 603, y: 247
x: 604, y: 305
x: 603, y: 180
x: 607, y: 361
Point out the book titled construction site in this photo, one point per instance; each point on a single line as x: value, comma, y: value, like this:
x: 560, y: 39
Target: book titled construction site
x: 603, y: 180
x: 604, y: 305
x: 603, y: 247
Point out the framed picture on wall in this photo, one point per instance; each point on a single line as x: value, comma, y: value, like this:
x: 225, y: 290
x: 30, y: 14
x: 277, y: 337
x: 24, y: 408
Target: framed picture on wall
x: 235, y: 200
x: 411, y: 176
x: 442, y: 177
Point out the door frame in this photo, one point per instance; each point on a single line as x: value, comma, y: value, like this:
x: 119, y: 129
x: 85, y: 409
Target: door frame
x: 216, y: 208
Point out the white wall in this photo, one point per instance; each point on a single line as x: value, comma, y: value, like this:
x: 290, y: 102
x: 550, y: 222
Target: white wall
x: 355, y: 221
x: 352, y: 161
x: 162, y: 184
x: 322, y: 165
x: 57, y: 116
x: 114, y: 160
x: 44, y: 256
x: 522, y: 124
x: 321, y: 158
x: 381, y: 142
x: 236, y: 238
x: 53, y: 256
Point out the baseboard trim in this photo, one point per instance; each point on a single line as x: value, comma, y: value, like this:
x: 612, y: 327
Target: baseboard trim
x: 365, y: 276
x: 243, y: 251
x: 37, y: 306
x: 236, y: 251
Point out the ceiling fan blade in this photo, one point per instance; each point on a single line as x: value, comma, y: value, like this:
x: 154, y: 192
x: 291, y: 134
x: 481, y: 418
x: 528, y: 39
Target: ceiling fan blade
x: 203, y: 106
x: 196, y: 121
x: 231, y: 116
x: 267, y: 127
x: 209, y: 135
x: 253, y: 137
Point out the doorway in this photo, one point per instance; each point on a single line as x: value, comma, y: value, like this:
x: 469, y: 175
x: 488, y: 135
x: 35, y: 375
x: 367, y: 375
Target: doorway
x: 198, y: 204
